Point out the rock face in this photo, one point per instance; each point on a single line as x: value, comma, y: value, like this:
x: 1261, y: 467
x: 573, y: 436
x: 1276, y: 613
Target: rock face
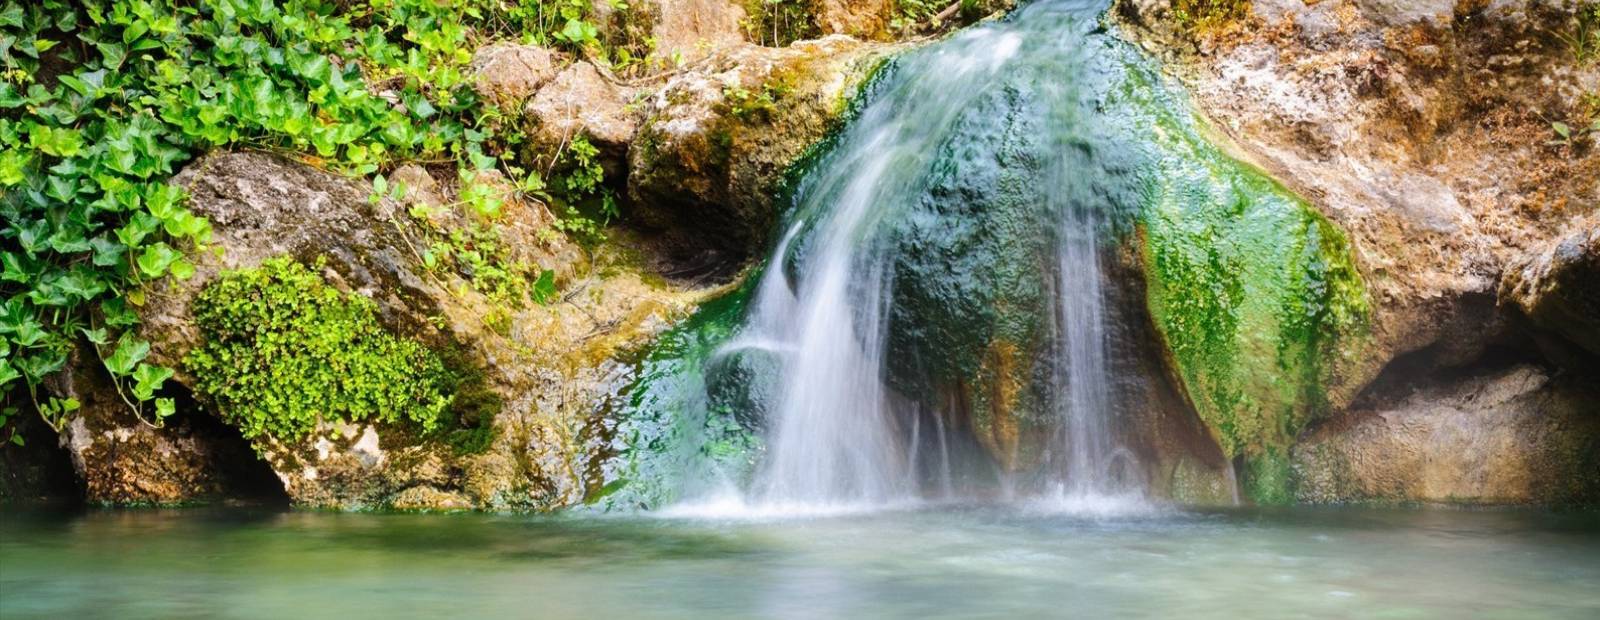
x: 1415, y: 129
x: 1517, y: 435
x: 1558, y: 285
x: 719, y: 139
x: 542, y: 368
x: 1422, y: 131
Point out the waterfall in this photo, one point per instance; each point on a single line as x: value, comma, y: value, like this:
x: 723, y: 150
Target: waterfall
x: 1003, y: 99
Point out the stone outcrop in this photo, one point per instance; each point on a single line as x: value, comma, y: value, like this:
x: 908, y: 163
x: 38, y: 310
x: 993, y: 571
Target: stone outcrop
x: 544, y: 367
x: 1418, y: 130
x: 719, y: 139
x: 1423, y: 131
x: 1515, y: 435
x: 579, y: 101
x: 509, y: 73
x: 1558, y: 285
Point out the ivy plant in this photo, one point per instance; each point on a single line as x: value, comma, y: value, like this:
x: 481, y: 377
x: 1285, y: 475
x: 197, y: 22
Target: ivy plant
x: 101, y: 101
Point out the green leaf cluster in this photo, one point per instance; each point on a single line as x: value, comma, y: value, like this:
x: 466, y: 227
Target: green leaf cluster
x: 283, y: 351
x: 102, y: 100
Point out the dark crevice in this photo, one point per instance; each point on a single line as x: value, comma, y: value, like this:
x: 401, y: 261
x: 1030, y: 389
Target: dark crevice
x: 38, y: 470
x: 243, y: 475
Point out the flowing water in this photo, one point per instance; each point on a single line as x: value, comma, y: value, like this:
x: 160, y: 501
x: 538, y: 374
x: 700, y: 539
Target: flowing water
x: 994, y: 108
x: 956, y: 561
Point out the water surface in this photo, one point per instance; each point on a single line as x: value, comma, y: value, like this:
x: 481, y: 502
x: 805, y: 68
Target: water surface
x: 944, y: 561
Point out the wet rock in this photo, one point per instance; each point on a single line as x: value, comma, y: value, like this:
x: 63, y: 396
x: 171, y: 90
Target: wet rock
x: 1558, y: 285
x: 1517, y: 435
x: 509, y: 73
x: 719, y: 138
x: 745, y: 382
x: 970, y: 305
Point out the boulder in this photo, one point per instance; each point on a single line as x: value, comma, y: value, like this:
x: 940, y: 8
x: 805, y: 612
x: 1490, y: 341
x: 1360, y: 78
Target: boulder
x: 718, y: 139
x: 535, y: 373
x: 690, y: 30
x: 508, y: 73
x: 580, y: 101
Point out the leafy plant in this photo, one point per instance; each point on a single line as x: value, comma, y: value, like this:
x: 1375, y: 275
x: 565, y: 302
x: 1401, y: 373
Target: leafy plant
x: 1584, y: 38
x: 777, y: 23
x: 1210, y: 14
x: 101, y: 101
x: 283, y: 351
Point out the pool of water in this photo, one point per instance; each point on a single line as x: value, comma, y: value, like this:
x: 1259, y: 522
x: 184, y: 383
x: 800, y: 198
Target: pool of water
x: 995, y: 561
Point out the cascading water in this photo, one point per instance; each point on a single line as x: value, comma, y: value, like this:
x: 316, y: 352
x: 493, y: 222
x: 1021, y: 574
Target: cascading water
x: 953, y: 310
x: 839, y: 434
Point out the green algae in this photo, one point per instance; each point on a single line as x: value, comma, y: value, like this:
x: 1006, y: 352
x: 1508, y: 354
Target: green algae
x: 672, y: 438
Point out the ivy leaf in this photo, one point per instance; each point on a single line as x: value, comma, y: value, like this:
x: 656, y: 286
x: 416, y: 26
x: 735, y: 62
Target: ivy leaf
x: 544, y: 289
x: 155, y: 259
x: 96, y: 335
x: 148, y: 378
x: 130, y: 351
x: 7, y: 374
x: 165, y: 407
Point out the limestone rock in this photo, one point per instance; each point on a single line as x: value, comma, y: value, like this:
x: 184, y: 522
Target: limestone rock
x: 509, y: 73
x: 1558, y: 285
x: 867, y: 19
x: 581, y: 102
x: 1516, y: 435
x: 690, y: 30
x: 545, y: 366
x: 720, y: 137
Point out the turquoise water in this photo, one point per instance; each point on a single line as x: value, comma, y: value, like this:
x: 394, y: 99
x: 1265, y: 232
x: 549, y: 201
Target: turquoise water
x: 945, y: 561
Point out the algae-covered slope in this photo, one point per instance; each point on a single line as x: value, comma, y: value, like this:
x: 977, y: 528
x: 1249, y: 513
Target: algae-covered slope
x: 1254, y: 292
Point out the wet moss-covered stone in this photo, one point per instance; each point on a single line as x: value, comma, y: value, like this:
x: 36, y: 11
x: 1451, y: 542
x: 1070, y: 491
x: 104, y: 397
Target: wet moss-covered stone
x: 970, y: 310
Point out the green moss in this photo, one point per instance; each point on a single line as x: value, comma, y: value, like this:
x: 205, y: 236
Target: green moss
x: 1269, y: 478
x: 283, y: 351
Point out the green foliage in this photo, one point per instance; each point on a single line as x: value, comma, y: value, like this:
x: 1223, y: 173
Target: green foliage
x: 474, y: 249
x: 777, y: 23
x: 100, y: 102
x: 1269, y: 478
x: 1584, y: 38
x: 745, y: 104
x: 572, y: 25
x: 283, y: 350
x: 585, y: 203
